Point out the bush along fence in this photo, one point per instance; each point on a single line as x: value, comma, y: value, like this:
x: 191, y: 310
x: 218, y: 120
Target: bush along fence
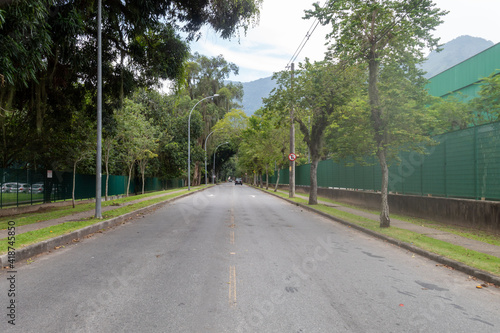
x: 27, y: 187
x: 464, y: 164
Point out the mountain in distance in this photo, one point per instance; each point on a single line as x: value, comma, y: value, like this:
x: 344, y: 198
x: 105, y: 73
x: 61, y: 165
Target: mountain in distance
x: 453, y: 53
x: 254, y: 91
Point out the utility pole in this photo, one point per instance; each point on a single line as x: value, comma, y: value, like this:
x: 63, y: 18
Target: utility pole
x: 98, y: 171
x: 291, y: 192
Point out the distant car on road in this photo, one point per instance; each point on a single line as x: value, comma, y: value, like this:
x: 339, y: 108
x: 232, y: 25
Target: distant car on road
x: 238, y: 181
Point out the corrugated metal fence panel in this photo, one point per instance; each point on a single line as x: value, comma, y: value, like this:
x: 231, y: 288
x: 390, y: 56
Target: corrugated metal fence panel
x: 152, y: 184
x: 365, y: 175
x: 117, y: 185
x: 406, y: 176
x: 303, y: 175
x: 345, y: 174
x: 84, y: 186
x: 460, y: 162
x: 463, y: 164
x: 174, y: 183
x: 285, y: 175
x: 434, y: 169
x: 358, y: 177
x: 325, y: 173
x: 488, y: 161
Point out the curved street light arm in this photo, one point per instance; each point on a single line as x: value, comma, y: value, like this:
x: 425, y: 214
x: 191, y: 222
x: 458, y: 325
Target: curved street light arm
x: 189, y: 140
x: 206, y: 139
x: 213, y: 176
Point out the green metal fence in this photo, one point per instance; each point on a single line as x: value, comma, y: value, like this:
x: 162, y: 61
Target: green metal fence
x: 21, y: 187
x: 464, y: 164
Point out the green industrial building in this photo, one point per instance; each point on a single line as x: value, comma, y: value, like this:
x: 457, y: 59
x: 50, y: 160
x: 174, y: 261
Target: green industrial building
x: 465, y: 77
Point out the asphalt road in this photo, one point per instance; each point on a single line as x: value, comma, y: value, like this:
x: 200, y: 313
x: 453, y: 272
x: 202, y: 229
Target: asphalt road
x: 234, y: 259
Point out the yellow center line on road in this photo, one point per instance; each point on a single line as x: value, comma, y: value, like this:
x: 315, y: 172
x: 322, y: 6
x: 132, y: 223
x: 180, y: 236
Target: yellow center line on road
x: 232, y: 286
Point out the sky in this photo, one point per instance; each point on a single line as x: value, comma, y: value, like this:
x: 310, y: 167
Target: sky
x: 268, y: 47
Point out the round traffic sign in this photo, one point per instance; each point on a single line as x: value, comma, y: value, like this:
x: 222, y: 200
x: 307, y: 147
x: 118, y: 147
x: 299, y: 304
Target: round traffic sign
x: 292, y: 157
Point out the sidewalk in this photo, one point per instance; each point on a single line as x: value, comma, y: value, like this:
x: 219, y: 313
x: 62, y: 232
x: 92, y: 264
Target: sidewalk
x: 448, y: 237
x: 77, y: 216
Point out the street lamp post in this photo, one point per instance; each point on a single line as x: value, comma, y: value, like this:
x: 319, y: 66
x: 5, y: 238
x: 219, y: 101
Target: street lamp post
x: 206, y: 183
x: 98, y: 171
x: 189, y: 139
x: 213, y: 176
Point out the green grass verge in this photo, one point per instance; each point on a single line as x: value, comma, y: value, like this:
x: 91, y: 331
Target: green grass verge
x: 471, y: 233
x: 58, y: 212
x: 39, y: 235
x: 469, y: 257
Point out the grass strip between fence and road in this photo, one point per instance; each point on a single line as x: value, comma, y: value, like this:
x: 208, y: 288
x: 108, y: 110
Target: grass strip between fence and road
x: 458, y: 253
x: 35, y: 236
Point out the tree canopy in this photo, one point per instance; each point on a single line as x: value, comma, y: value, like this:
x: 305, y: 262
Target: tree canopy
x: 319, y: 91
x: 48, y: 64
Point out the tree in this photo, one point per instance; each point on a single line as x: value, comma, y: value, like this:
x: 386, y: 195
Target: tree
x: 487, y: 104
x: 320, y: 90
x: 380, y: 33
x: 263, y: 145
x: 228, y: 129
x: 450, y: 113
x: 231, y: 126
x: 143, y: 157
x: 24, y: 40
x: 136, y: 136
x: 205, y: 76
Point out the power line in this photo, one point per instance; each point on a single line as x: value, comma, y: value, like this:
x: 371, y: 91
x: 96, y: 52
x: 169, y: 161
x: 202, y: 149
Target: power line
x: 303, y: 43
x: 304, y: 40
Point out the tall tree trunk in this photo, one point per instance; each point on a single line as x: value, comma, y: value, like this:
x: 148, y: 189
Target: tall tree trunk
x: 142, y: 163
x: 106, y: 166
x: 380, y: 136
x: 267, y: 178
x: 122, y: 88
x: 200, y: 175
x: 260, y: 176
x: 385, y: 221
x: 277, y: 180
x: 74, y: 180
x: 129, y: 176
x: 313, y: 193
x: 195, y: 181
x: 143, y: 181
x: 40, y: 104
x: 74, y: 184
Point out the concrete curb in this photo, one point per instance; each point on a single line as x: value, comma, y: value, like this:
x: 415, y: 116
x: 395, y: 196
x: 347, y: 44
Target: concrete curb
x: 480, y: 274
x: 49, y: 244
